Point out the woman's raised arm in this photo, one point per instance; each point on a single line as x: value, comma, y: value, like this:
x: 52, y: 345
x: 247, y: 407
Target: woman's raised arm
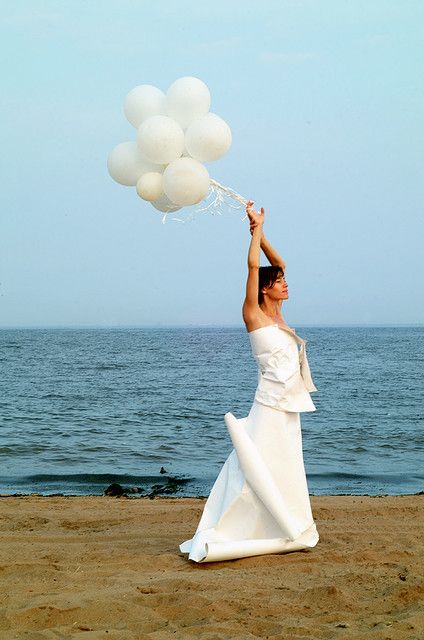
x: 250, y: 305
x: 272, y: 255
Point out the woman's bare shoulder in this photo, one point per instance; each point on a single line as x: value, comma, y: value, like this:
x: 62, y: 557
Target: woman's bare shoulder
x: 255, y: 319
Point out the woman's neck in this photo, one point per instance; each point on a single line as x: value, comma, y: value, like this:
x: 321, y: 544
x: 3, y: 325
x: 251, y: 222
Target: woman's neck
x: 273, y: 310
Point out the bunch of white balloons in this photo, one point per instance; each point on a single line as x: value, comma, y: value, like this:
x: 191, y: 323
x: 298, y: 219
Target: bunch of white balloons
x: 176, y: 134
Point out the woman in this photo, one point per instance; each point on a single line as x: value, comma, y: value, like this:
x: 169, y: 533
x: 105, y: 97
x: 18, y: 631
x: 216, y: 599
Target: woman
x: 259, y: 503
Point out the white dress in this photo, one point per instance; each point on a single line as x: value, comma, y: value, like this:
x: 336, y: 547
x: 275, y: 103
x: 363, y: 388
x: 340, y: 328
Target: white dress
x: 259, y: 503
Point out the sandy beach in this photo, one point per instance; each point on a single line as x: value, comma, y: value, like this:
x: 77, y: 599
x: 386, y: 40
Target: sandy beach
x: 102, y: 567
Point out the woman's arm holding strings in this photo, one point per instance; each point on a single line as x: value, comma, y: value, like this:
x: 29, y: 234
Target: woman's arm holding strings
x: 251, y: 305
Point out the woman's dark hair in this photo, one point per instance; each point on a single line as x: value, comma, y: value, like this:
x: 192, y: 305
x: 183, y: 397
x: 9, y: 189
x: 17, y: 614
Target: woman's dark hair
x: 267, y: 277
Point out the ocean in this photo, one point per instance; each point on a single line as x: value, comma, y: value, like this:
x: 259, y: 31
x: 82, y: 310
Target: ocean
x: 83, y: 408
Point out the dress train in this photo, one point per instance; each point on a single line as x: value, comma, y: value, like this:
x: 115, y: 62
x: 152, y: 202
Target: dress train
x: 259, y: 503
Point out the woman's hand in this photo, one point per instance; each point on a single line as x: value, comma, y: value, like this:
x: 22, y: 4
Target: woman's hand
x: 255, y: 219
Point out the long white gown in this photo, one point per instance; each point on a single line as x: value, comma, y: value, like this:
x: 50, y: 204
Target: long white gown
x: 259, y: 503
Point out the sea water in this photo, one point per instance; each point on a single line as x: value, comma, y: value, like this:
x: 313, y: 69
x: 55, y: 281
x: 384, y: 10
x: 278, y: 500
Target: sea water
x: 82, y: 408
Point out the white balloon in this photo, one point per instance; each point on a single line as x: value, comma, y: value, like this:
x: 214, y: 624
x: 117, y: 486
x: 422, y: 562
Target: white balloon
x: 186, y: 99
x: 150, y: 186
x: 126, y: 164
x: 161, y: 139
x: 208, y: 138
x: 142, y: 102
x: 165, y: 205
x: 186, y: 181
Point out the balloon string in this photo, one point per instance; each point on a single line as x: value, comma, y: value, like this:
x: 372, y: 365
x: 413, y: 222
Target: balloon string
x: 220, y: 197
x: 228, y: 192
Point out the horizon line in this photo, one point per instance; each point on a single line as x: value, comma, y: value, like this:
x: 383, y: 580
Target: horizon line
x: 204, y: 326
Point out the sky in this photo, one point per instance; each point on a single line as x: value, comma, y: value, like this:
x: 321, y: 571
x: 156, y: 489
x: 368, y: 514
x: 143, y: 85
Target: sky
x: 325, y: 100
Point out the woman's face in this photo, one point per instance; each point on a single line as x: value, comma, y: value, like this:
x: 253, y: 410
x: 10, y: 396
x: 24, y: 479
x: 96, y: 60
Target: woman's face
x: 279, y: 290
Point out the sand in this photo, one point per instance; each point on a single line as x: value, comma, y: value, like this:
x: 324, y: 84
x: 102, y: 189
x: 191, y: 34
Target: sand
x: 110, y: 568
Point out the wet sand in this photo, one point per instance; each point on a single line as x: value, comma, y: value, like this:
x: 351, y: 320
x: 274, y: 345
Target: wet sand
x: 102, y: 567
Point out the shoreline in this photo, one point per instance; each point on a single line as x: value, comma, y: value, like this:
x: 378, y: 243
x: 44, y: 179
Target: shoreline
x: 128, y: 493
x: 113, y: 569
x: 138, y: 496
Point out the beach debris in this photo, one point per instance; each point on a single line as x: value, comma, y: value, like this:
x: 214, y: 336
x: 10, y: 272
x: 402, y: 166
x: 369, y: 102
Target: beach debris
x: 136, y: 490
x: 159, y: 489
x: 169, y: 486
x: 114, y: 489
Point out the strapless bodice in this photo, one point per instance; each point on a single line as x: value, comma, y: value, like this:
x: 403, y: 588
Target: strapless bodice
x: 284, y: 377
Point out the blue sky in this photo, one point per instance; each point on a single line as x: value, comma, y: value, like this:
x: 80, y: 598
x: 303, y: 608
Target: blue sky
x: 325, y: 100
